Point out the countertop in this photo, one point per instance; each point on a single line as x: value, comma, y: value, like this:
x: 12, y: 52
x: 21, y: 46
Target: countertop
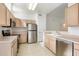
x: 64, y: 35
x: 8, y: 39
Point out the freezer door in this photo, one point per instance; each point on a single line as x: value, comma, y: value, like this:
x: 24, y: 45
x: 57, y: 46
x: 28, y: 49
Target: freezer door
x: 32, y: 27
x: 32, y: 36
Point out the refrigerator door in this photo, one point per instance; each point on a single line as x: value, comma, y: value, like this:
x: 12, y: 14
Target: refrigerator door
x: 32, y: 36
x: 32, y: 27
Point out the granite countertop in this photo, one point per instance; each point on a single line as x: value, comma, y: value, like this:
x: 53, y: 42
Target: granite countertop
x: 64, y: 36
x: 8, y: 39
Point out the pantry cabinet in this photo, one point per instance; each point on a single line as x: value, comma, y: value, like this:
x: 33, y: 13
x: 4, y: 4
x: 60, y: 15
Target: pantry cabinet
x: 72, y: 15
x: 2, y: 14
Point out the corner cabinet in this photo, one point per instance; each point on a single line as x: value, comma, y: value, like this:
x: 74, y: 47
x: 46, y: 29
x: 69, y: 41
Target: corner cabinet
x: 3, y: 16
x: 72, y: 15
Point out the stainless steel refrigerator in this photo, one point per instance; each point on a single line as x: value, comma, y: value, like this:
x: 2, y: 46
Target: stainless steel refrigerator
x: 32, y: 33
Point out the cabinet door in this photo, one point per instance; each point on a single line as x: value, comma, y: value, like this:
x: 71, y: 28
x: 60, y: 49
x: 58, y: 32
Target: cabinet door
x: 23, y: 37
x: 53, y: 44
x: 8, y: 17
x: 76, y: 49
x: 76, y: 53
x: 47, y: 42
x: 14, y: 49
x: 18, y: 23
x: 72, y: 15
x: 2, y: 14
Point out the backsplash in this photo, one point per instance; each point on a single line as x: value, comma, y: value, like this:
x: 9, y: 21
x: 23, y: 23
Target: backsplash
x: 18, y: 29
x: 73, y: 30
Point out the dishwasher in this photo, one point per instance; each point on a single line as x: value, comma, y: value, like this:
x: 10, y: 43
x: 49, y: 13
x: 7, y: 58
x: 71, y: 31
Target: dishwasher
x: 64, y: 48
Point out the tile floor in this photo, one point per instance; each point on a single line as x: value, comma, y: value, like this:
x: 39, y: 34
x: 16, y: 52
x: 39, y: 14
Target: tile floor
x: 34, y: 50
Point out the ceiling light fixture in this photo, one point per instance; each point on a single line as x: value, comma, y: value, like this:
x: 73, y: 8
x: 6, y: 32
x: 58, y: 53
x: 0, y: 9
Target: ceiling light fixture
x: 32, y: 6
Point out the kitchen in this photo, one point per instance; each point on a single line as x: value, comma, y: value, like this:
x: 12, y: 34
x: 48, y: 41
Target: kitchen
x: 53, y: 31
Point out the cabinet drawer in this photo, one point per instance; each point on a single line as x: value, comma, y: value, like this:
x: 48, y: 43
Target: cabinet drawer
x: 76, y: 46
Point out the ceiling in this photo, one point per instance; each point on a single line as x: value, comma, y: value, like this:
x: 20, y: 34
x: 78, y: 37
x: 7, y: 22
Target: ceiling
x: 41, y: 7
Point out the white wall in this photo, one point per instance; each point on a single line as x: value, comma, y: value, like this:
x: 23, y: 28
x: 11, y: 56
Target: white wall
x: 55, y: 19
x: 41, y: 22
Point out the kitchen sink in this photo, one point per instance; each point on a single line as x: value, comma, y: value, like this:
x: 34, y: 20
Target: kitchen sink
x: 55, y: 33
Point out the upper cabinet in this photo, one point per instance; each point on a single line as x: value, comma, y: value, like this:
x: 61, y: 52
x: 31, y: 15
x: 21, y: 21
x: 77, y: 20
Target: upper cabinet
x: 72, y: 15
x: 2, y: 15
x: 8, y: 17
x: 5, y: 15
x: 18, y: 22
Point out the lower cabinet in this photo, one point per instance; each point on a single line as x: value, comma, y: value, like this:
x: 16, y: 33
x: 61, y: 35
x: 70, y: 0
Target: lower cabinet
x: 76, y: 52
x: 53, y: 45
x: 14, y: 49
x: 50, y: 43
x: 76, y: 49
x: 23, y: 37
x: 47, y: 42
x: 8, y: 49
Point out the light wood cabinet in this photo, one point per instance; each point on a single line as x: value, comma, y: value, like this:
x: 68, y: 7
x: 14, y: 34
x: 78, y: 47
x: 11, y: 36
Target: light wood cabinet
x: 23, y: 37
x: 47, y: 41
x: 9, y: 47
x: 5, y: 15
x: 18, y: 22
x: 8, y: 17
x: 76, y: 53
x: 2, y: 14
x: 53, y: 44
x: 50, y: 42
x: 72, y: 15
x: 14, y: 49
x: 30, y: 21
x: 76, y: 49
